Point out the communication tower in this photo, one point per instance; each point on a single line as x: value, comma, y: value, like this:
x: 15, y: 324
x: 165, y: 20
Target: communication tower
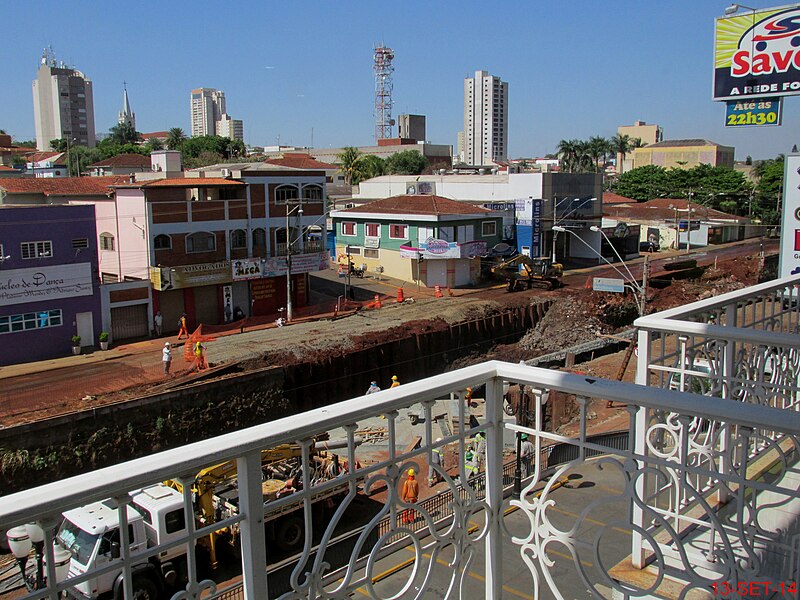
x: 383, y: 91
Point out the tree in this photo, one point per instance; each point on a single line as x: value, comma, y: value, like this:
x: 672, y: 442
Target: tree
x: 567, y: 151
x: 599, y: 147
x: 643, y: 184
x: 27, y: 143
x: 124, y: 133
x: 407, y: 162
x: 203, y: 159
x: 370, y: 166
x: 621, y: 144
x: 348, y: 158
x: 59, y: 145
x: 154, y: 144
x: 235, y: 148
x: 194, y: 146
x: 175, y: 138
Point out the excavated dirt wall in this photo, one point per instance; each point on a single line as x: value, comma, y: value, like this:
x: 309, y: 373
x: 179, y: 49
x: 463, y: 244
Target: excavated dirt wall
x: 55, y: 448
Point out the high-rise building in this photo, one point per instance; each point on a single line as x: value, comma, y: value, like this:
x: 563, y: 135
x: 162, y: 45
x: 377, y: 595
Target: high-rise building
x: 63, y: 106
x: 207, y: 106
x: 228, y: 127
x: 485, y: 119
x: 411, y: 127
x: 126, y: 115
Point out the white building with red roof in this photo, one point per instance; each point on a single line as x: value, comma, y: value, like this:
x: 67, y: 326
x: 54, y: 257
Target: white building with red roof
x: 425, y: 239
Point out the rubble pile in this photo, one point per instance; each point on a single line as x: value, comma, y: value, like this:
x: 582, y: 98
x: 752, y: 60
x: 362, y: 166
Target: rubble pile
x: 568, y: 322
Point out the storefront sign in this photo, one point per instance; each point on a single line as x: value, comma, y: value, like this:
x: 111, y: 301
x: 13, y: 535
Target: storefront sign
x: 434, y: 248
x: 409, y: 252
x: 420, y: 187
x: 756, y: 54
x: 473, y: 249
x: 372, y: 242
x: 227, y: 302
x: 173, y: 278
x: 536, y: 227
x: 764, y: 111
x: 248, y: 268
x: 301, y: 263
x: 20, y: 286
x: 262, y: 289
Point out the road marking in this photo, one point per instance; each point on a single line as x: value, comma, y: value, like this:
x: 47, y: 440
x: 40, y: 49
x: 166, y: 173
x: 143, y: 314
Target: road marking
x: 588, y: 519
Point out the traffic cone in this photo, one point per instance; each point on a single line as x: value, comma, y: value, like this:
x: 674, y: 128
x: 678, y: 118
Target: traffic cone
x: 589, y: 283
x: 437, y: 291
x: 449, y: 292
x: 400, y: 297
x: 377, y: 301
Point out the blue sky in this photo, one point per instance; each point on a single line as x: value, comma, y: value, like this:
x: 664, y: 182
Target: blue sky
x: 575, y: 68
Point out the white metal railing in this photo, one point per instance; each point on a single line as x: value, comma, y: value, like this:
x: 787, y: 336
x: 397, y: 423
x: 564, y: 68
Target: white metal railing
x: 661, y: 448
x: 743, y: 347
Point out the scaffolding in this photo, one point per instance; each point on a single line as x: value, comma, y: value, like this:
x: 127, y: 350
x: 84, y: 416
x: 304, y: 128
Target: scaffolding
x: 384, y: 68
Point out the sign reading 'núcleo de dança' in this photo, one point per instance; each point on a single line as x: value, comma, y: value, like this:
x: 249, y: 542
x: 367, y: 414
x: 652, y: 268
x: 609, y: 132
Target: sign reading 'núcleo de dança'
x: 19, y: 286
x: 757, y: 54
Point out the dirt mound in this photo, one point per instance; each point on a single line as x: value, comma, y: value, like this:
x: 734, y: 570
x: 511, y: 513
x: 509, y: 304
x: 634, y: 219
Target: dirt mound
x: 568, y: 322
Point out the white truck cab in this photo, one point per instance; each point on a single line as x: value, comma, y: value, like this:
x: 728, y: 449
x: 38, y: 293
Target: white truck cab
x: 91, y: 534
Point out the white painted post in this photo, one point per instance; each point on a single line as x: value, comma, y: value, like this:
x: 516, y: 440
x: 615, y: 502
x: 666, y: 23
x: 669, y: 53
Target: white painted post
x: 494, y: 488
x: 642, y: 378
x: 251, y: 505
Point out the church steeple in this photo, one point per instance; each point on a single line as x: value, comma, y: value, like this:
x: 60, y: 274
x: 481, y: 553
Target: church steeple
x: 126, y: 115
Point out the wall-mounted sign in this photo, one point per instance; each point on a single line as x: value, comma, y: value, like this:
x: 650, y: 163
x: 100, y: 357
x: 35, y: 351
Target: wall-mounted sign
x: 301, y: 263
x: 246, y: 268
x: 749, y: 113
x: 409, y: 252
x: 22, y: 286
x: 789, y: 257
x: 173, y: 278
x: 756, y: 54
x: 227, y: 302
x: 415, y: 188
x: 372, y: 242
x: 473, y: 249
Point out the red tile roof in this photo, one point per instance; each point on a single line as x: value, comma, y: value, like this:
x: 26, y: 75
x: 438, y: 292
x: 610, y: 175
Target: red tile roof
x: 189, y: 182
x: 609, y: 198
x: 124, y: 160
x: 300, y: 161
x: 664, y: 209
x: 62, y: 186
x: 419, y: 205
x: 40, y: 156
x: 5, y: 168
x: 154, y: 134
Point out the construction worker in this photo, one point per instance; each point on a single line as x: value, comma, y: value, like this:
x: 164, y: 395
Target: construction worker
x: 436, y: 461
x: 182, y: 330
x: 468, y: 395
x: 410, y: 495
x: 480, y: 448
x: 526, y: 454
x: 395, y: 382
x: 166, y: 358
x: 200, y: 357
x: 373, y: 387
x: 470, y: 465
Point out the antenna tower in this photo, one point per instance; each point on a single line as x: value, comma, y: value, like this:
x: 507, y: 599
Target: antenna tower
x: 383, y: 91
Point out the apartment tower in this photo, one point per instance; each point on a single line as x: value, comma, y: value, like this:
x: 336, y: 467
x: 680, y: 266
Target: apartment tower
x: 485, y: 119
x: 63, y: 106
x: 207, y: 106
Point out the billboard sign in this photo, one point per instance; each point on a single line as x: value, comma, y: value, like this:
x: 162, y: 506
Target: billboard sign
x: 789, y: 257
x: 749, y: 113
x: 247, y: 268
x: 174, y: 278
x: 39, y: 284
x: 756, y: 54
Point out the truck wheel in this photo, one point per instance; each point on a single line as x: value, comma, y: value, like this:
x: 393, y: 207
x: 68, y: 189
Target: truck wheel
x: 144, y: 589
x: 289, y: 533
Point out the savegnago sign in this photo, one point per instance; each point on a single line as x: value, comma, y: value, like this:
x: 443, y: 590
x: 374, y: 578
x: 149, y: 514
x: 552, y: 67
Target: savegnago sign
x: 21, y: 286
x: 757, y: 53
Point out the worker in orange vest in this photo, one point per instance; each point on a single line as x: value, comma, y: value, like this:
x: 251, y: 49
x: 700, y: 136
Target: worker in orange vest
x: 395, y: 382
x: 410, y: 495
x: 182, y: 325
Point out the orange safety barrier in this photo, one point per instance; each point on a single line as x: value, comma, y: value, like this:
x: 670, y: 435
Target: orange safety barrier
x: 437, y: 291
x: 377, y: 303
x: 400, y: 297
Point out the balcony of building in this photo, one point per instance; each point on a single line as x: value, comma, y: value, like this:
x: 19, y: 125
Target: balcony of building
x: 696, y: 497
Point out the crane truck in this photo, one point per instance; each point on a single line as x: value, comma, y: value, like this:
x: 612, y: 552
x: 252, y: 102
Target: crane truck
x: 156, y: 516
x: 520, y: 271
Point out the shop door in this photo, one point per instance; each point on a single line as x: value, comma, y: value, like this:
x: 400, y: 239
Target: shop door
x: 206, y: 305
x: 437, y: 273
x: 171, y: 306
x: 85, y: 325
x: 129, y: 322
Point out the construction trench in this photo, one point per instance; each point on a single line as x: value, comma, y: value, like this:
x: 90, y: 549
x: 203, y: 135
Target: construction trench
x: 242, y: 395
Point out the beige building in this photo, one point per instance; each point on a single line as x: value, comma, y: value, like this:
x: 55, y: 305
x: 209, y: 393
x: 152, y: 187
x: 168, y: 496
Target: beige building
x: 648, y: 134
x: 207, y: 106
x: 230, y: 128
x: 684, y: 154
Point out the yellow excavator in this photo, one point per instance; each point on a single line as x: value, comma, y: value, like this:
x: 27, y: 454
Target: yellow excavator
x: 216, y: 497
x: 522, y: 271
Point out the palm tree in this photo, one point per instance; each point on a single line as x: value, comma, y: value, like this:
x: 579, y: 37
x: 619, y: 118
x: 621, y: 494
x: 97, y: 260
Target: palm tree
x: 583, y: 158
x: 348, y: 158
x: 175, y: 138
x: 621, y: 144
x: 567, y: 151
x: 599, y: 147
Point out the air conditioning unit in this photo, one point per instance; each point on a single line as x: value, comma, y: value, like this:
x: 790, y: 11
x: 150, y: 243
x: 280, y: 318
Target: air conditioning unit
x: 226, y: 173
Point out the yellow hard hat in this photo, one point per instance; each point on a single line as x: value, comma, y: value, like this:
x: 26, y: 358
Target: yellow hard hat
x: 411, y: 472
x: 394, y: 377
x: 469, y: 389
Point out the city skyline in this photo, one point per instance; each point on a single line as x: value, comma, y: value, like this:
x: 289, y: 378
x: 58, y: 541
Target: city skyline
x: 574, y: 71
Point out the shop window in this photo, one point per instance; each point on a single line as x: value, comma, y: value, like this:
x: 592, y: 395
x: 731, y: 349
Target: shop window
x: 398, y: 232
x: 372, y: 230
x: 371, y: 253
x: 33, y: 320
x: 348, y: 228
x: 488, y: 228
x: 36, y: 249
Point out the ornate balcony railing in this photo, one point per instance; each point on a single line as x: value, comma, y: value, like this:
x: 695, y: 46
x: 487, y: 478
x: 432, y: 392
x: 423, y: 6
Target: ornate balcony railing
x: 661, y: 504
x: 309, y: 247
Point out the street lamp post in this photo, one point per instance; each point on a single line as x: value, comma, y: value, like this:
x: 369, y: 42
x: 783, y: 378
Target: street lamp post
x: 299, y: 209
x: 20, y: 541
